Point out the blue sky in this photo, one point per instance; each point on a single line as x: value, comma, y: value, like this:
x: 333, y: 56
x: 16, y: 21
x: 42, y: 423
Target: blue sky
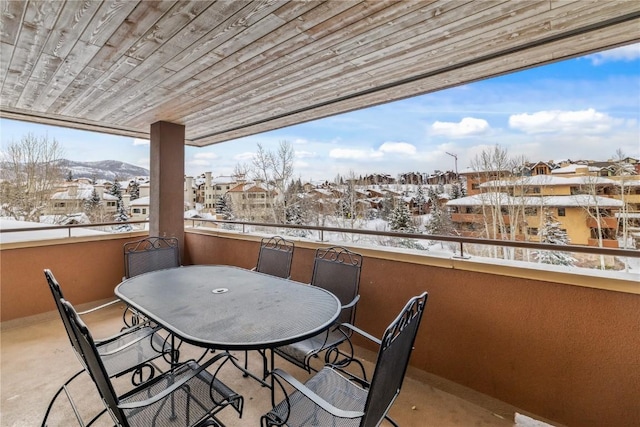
x: 584, y: 108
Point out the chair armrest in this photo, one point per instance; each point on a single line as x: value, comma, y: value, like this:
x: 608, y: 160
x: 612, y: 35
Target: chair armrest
x: 174, y: 386
x: 126, y: 332
x: 311, y: 395
x: 361, y: 332
x: 91, y: 310
x: 352, y: 303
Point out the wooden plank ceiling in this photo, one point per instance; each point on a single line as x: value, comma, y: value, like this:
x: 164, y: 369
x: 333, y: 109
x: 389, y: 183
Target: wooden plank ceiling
x: 231, y: 68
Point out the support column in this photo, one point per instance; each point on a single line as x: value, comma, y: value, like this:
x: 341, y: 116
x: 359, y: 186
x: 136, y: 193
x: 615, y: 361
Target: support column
x: 166, y: 198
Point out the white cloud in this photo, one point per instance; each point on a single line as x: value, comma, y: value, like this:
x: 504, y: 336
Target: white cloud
x: 300, y: 154
x: 623, y: 53
x: 468, y: 126
x: 583, y: 121
x: 247, y: 155
x: 206, y: 155
x: 398, y: 148
x: 140, y: 141
x: 354, y: 154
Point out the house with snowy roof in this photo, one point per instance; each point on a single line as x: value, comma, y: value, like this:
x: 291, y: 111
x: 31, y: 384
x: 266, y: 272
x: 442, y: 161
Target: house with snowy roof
x: 581, y: 204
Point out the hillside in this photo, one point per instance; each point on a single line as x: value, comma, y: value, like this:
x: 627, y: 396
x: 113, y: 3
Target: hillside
x: 104, y: 169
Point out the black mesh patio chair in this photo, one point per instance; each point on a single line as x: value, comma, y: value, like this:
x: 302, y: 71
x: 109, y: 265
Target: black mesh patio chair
x: 133, y: 350
x: 275, y: 257
x: 333, y: 397
x: 145, y: 255
x: 187, y: 395
x: 150, y: 254
x: 337, y: 270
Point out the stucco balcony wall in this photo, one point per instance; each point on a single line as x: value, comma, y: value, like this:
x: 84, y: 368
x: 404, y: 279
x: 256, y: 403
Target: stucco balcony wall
x: 553, y: 343
x: 563, y: 346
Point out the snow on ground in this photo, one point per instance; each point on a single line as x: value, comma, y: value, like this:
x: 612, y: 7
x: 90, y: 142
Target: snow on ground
x: 22, y: 236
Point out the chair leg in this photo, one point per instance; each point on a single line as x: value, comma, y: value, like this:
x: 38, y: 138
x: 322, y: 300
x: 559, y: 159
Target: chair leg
x: 388, y: 418
x: 62, y: 388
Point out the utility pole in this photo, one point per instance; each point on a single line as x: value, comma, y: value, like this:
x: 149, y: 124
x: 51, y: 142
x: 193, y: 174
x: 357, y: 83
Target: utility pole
x: 455, y: 156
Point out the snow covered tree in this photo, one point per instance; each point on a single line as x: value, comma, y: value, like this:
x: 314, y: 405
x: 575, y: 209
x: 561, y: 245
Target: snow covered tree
x: 116, y: 189
x: 134, y: 190
x: 400, y: 220
x: 456, y: 191
x: 440, y: 221
x: 92, y: 206
x: 121, y: 213
x: 550, y: 232
x: 420, y: 200
x: 30, y: 169
x: 388, y: 204
x: 223, y: 206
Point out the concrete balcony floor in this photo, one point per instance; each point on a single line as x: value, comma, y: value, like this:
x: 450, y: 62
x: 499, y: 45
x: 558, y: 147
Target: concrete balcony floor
x: 36, y: 358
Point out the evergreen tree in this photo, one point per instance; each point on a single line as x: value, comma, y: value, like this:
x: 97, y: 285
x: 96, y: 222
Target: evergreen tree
x: 456, y: 191
x: 388, y: 204
x: 121, y: 213
x: 420, y: 200
x: 70, y: 175
x: 223, y: 206
x: 400, y: 220
x: 550, y: 232
x: 92, y: 205
x: 116, y: 189
x: 134, y: 190
x: 439, y: 221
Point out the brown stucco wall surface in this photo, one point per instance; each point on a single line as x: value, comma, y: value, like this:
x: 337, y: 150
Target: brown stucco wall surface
x: 86, y: 270
x: 568, y: 353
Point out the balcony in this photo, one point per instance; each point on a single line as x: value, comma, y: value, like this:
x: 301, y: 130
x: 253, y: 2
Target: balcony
x: 606, y: 243
x: 496, y: 338
x: 476, y: 218
x: 605, y: 222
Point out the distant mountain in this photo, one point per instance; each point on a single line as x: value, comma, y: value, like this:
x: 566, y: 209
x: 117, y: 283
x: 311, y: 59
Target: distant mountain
x: 104, y: 169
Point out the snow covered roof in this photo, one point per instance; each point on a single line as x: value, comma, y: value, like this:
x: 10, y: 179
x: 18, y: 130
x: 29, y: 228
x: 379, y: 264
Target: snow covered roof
x: 573, y: 168
x: 504, y: 199
x: 140, y: 201
x: 541, y: 180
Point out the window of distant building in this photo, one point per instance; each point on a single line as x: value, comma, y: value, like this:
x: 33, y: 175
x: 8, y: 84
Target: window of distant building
x: 561, y: 212
x: 541, y: 170
x: 111, y: 203
x: 59, y: 204
x: 475, y: 186
x: 136, y: 210
x: 532, y: 230
x: 531, y: 211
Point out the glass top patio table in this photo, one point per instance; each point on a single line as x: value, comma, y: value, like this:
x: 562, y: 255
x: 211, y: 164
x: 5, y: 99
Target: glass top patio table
x: 225, y: 307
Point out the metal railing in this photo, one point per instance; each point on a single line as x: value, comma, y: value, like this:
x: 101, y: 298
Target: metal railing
x: 69, y: 227
x: 459, y: 241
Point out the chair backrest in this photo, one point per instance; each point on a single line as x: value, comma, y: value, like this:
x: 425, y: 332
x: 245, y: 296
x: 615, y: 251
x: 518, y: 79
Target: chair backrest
x: 150, y: 254
x: 93, y: 363
x: 337, y: 270
x: 393, y: 360
x: 275, y: 256
x: 56, y: 291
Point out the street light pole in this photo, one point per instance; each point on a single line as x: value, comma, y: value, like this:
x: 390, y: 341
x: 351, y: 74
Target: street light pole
x: 455, y: 156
